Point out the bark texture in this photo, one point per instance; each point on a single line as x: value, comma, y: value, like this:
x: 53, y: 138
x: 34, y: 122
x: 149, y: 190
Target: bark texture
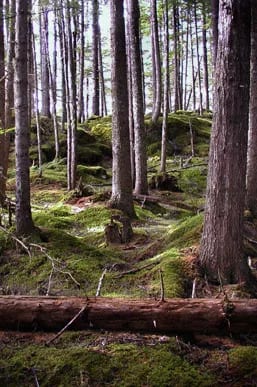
x: 141, y: 184
x: 221, y: 254
x: 251, y: 199
x: 24, y: 223
x: 121, y: 167
x: 207, y: 316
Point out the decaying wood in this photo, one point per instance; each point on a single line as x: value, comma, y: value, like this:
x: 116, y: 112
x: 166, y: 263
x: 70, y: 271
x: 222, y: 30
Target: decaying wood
x: 209, y: 316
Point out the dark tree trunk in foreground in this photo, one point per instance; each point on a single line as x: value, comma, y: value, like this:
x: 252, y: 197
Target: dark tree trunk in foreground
x: 204, y: 316
x: 121, y: 167
x: 24, y: 223
x: 222, y: 255
x: 251, y: 198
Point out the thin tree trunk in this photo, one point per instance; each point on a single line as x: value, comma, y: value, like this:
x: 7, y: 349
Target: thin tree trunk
x: 45, y: 97
x: 157, y: 63
x: 215, y: 32
x: 198, y: 62
x: 24, y: 223
x: 81, y: 109
x: 141, y: 184
x: 165, y: 89
x: 95, y: 45
x: 39, y: 140
x: 205, y: 59
x: 2, y: 107
x: 52, y: 84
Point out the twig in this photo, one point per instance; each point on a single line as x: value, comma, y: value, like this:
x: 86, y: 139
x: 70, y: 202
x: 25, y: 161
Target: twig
x: 67, y: 325
x: 50, y: 282
x: 100, y: 283
x: 132, y: 271
x: 162, y: 285
x: 26, y: 248
x: 53, y: 260
x: 35, y: 377
x: 194, y: 289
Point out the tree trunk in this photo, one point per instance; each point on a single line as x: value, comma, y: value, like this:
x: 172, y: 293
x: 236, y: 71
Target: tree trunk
x: 45, y: 96
x: 141, y: 184
x: 198, y: 61
x: 121, y: 177
x: 165, y: 89
x: 251, y: 198
x: 215, y: 31
x: 95, y: 44
x: 206, y: 316
x: 205, y: 58
x: 24, y: 223
x: 156, y: 63
x: 222, y: 254
x: 2, y: 108
x: 81, y: 105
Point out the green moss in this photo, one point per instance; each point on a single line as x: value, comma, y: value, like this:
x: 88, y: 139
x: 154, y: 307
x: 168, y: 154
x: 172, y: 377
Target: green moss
x: 115, y: 365
x: 178, y: 133
x: 193, y: 181
x: 187, y: 232
x: 243, y: 361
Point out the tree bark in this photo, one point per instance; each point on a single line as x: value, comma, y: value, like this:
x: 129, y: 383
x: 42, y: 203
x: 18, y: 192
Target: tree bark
x: 121, y: 166
x: 251, y: 181
x: 95, y: 64
x: 24, y: 222
x: 222, y: 253
x: 156, y: 63
x: 141, y: 184
x: 208, y: 316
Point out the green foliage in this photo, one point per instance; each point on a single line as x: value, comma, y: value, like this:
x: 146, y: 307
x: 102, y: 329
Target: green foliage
x: 243, y: 361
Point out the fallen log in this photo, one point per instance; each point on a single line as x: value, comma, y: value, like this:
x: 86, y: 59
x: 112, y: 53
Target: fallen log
x: 207, y: 316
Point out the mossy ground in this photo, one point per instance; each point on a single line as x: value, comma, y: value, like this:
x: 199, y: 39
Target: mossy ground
x: 71, y: 254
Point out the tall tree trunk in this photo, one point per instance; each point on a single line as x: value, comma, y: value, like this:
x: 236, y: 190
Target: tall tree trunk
x: 24, y: 223
x: 45, y: 96
x: 156, y: 63
x: 141, y: 184
x: 9, y: 95
x: 72, y: 138
x: 121, y: 178
x: 130, y: 106
x: 101, y: 78
x: 81, y: 108
x: 2, y: 107
x: 198, y: 61
x: 221, y: 254
x: 177, y: 104
x: 52, y: 82
x: 39, y: 137
x: 251, y: 198
x: 215, y: 31
x: 165, y: 89
x: 205, y: 59
x: 95, y: 45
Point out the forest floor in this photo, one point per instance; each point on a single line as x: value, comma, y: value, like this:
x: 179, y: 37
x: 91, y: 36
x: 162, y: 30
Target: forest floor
x: 166, y: 239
